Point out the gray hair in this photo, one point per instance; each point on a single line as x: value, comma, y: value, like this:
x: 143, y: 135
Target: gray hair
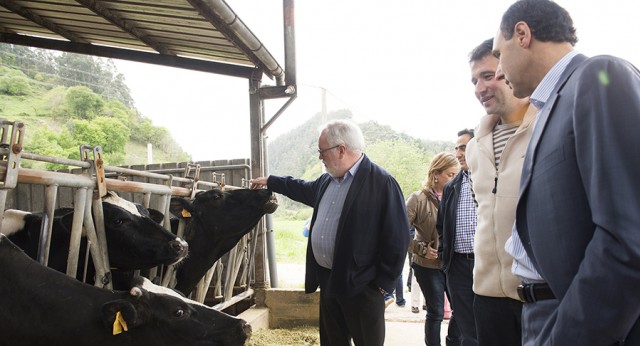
x: 345, y: 132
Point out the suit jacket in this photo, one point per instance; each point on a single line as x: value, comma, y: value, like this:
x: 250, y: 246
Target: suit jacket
x: 446, y: 223
x: 579, y: 209
x: 373, y: 231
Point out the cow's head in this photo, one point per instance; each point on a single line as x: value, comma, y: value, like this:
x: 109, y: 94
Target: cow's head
x: 135, y: 238
x: 172, y: 319
x: 217, y: 221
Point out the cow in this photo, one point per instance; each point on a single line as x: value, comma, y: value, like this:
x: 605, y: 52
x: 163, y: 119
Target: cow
x: 135, y: 239
x: 41, y: 306
x: 216, y: 220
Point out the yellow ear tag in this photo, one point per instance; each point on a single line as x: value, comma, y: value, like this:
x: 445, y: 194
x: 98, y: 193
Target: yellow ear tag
x: 185, y: 213
x: 119, y: 324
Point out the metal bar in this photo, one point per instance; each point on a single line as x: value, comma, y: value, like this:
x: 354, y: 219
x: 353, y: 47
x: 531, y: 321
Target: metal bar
x: 130, y: 54
x: 44, y: 242
x: 235, y: 299
x: 58, y: 160
x: 98, y: 237
x: 134, y: 172
x: 103, y: 250
x: 79, y: 202
x: 3, y: 200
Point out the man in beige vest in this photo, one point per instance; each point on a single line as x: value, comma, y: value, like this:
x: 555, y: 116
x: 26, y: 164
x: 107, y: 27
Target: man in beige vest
x: 495, y: 157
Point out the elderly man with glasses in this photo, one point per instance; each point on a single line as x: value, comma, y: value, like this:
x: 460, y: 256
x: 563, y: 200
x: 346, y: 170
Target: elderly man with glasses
x: 358, y: 238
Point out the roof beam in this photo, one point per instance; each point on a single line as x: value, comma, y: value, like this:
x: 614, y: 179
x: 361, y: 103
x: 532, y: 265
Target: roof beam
x: 222, y: 17
x: 15, y: 8
x: 128, y: 54
x: 105, y: 13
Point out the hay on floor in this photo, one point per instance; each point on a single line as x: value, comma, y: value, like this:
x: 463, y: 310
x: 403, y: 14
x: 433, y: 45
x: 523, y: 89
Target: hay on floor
x: 299, y: 336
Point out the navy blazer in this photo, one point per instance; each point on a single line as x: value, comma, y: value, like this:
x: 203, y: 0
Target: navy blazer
x: 373, y: 231
x: 446, y: 224
x: 579, y: 209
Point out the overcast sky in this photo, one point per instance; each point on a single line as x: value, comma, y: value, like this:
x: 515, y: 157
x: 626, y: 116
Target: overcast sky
x: 401, y: 63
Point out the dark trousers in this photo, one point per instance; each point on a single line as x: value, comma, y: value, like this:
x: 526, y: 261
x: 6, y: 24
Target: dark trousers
x: 534, y: 319
x: 460, y: 285
x: 498, y: 321
x: 360, y: 318
x: 432, y: 284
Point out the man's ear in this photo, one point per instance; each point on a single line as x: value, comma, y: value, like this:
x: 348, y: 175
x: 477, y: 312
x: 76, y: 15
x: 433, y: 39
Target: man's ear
x: 522, y: 33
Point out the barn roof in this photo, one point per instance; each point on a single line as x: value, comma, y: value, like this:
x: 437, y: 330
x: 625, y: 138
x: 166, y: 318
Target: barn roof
x: 204, y: 35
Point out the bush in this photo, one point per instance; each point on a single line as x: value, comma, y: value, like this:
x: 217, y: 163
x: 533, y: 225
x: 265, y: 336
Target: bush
x: 14, y: 83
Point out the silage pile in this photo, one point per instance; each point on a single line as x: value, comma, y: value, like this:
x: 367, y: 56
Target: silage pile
x: 300, y: 336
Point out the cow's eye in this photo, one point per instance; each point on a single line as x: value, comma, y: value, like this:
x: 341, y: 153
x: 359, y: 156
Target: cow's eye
x: 179, y: 313
x: 118, y: 222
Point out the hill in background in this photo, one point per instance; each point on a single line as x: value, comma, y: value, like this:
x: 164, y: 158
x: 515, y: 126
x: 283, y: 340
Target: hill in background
x: 405, y: 157
x: 66, y: 100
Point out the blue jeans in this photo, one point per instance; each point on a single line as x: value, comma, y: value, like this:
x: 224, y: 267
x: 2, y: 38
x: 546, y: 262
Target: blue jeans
x: 398, y: 292
x: 432, y: 284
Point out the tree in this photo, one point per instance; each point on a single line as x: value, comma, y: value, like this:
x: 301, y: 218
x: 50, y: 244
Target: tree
x: 407, y: 162
x: 13, y: 82
x: 82, y: 102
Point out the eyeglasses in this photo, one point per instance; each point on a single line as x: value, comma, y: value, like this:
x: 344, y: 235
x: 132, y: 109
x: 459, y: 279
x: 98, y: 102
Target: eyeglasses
x: 322, y: 151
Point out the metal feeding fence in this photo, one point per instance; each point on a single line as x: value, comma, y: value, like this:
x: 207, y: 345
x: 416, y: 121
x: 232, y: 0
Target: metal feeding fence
x: 227, y: 282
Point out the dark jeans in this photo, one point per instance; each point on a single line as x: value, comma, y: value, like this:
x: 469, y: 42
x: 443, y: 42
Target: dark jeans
x: 360, y: 317
x: 399, y: 292
x: 432, y: 284
x: 498, y: 321
x: 460, y: 285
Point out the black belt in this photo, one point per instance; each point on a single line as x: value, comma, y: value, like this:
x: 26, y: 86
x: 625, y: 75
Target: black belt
x: 468, y: 256
x: 530, y: 293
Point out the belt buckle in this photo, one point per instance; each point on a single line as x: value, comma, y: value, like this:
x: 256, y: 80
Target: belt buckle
x: 524, y: 293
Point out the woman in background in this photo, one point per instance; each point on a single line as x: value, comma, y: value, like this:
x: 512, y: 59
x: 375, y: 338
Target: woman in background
x: 422, y: 210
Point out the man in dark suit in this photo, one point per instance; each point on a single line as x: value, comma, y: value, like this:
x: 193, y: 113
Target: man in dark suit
x: 456, y: 224
x: 576, y: 241
x: 358, y: 238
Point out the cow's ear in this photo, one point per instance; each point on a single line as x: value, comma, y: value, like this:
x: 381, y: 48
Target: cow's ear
x: 180, y: 207
x: 126, y: 310
x: 156, y: 215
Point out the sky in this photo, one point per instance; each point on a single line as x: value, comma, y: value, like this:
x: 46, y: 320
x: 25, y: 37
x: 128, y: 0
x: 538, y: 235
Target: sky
x: 402, y: 63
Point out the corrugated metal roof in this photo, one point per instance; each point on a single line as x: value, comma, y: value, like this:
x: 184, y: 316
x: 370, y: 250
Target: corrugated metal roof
x: 202, y: 35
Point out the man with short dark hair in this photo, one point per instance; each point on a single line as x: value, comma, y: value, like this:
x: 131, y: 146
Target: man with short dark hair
x: 456, y: 226
x: 494, y: 157
x: 576, y: 241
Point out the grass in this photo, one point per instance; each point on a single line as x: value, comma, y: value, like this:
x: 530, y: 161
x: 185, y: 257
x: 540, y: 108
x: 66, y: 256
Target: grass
x: 291, y: 245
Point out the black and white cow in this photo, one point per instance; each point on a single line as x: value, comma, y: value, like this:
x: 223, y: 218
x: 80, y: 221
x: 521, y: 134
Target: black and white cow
x: 135, y: 240
x: 40, y: 306
x: 216, y: 222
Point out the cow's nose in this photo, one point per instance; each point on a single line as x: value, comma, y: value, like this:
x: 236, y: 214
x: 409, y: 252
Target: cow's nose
x: 179, y: 246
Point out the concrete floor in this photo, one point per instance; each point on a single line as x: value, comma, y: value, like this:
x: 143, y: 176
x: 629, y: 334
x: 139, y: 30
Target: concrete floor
x: 404, y: 328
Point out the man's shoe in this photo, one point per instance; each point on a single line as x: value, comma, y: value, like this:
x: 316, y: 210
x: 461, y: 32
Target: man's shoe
x: 401, y: 303
x: 415, y: 309
x: 388, y: 301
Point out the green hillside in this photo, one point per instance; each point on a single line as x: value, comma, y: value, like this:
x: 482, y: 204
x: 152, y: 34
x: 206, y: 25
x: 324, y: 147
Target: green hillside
x: 405, y: 157
x: 66, y: 100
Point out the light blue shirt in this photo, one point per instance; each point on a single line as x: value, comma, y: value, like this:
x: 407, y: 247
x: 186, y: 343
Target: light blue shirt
x: 522, y: 265
x: 325, y: 227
